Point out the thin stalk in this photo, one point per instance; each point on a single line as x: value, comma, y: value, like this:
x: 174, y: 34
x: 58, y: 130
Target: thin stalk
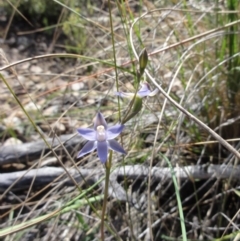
x: 180, y: 209
x: 108, y: 170
x: 114, y: 54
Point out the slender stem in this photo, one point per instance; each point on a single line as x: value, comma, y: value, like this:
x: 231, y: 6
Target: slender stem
x: 179, y: 203
x: 108, y: 169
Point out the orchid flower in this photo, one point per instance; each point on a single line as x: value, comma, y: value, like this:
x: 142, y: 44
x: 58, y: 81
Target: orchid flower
x: 101, y: 138
x: 143, y: 92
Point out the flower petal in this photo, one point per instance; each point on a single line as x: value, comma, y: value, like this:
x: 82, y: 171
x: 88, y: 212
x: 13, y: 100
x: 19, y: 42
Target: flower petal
x: 87, y: 133
x: 100, y: 121
x: 89, y: 146
x: 153, y: 92
x: 115, y: 146
x: 145, y: 86
x: 144, y: 91
x: 114, y: 131
x: 102, y: 150
x: 124, y: 94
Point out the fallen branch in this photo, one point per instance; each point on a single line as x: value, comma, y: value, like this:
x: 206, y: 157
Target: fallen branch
x: 33, y: 150
x: 46, y: 175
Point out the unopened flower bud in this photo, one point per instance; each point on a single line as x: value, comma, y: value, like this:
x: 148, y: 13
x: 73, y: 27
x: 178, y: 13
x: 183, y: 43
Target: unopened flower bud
x: 143, y: 60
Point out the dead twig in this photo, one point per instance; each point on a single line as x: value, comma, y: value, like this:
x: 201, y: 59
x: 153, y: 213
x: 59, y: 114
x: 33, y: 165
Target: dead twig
x: 46, y: 175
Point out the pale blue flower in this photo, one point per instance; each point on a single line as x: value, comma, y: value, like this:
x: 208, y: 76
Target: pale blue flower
x: 143, y: 92
x: 101, y: 138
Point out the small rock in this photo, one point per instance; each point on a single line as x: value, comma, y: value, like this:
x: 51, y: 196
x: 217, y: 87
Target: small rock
x: 77, y: 86
x: 36, y: 69
x: 35, y: 78
x: 12, y: 141
x: 21, y: 78
x: 14, y: 123
x: 31, y: 106
x: 52, y: 110
x: 90, y: 101
x: 25, y: 65
x: 58, y: 126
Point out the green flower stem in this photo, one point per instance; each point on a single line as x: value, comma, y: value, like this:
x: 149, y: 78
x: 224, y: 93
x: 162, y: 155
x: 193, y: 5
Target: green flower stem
x: 108, y: 169
x: 180, y: 209
x: 135, y: 105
